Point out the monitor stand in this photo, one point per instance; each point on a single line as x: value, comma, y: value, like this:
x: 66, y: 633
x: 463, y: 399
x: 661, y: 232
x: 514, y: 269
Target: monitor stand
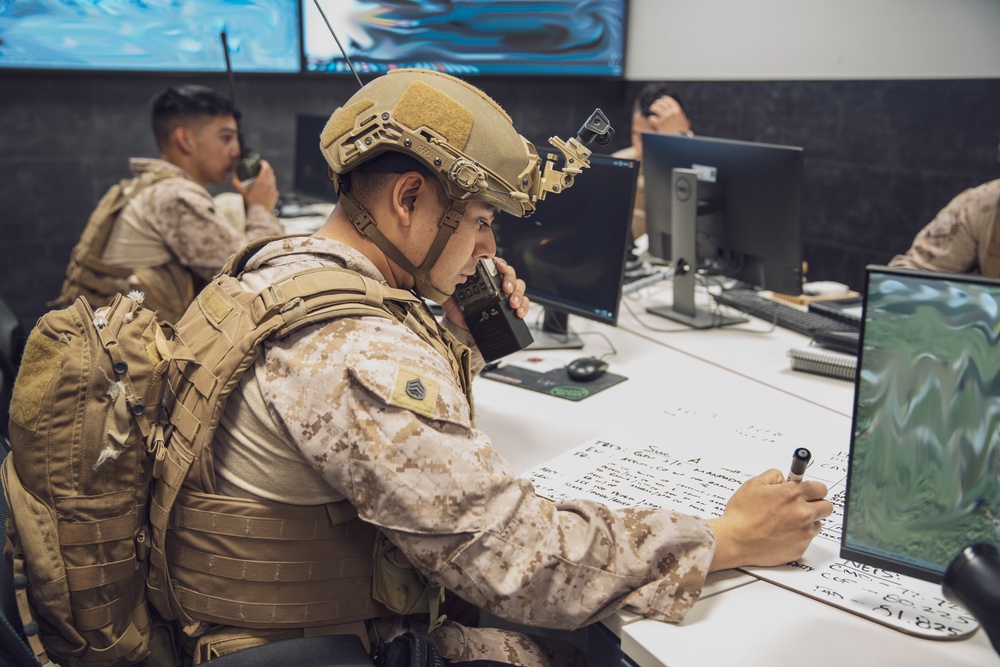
x: 684, y: 255
x: 554, y: 334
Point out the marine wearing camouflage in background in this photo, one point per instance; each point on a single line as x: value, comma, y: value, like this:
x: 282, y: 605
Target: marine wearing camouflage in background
x: 167, y: 241
x: 964, y: 237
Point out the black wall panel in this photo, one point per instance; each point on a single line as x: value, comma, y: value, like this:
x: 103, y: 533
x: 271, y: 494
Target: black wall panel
x: 881, y: 156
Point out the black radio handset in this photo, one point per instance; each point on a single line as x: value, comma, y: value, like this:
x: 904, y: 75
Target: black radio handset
x: 492, y: 322
x: 248, y: 166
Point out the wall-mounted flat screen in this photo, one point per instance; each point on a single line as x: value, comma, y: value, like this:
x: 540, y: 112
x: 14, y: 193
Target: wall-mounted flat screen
x: 473, y: 37
x: 150, y: 35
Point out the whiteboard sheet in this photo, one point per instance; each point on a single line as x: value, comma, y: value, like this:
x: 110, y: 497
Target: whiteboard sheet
x: 692, y: 460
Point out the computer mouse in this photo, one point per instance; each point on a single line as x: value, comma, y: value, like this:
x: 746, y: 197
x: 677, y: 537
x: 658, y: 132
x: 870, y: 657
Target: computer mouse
x: 586, y: 369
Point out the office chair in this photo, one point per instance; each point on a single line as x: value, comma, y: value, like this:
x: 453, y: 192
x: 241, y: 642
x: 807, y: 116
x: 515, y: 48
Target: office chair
x: 12, y: 339
x: 325, y: 651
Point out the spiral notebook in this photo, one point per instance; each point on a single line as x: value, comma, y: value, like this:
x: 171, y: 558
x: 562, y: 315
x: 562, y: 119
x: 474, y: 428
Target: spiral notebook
x: 822, y: 361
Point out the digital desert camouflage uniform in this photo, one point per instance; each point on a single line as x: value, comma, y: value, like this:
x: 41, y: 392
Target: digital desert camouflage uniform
x: 962, y: 237
x: 325, y: 415
x: 175, y: 220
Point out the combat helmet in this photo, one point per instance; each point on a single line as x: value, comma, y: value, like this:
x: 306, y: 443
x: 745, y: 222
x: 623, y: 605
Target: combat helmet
x: 455, y: 131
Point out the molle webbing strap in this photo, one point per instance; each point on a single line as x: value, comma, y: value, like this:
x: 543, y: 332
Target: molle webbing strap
x: 283, y: 565
x: 308, y: 296
x: 24, y: 609
x: 275, y: 615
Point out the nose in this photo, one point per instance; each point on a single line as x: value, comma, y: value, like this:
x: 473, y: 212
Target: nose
x: 486, y: 245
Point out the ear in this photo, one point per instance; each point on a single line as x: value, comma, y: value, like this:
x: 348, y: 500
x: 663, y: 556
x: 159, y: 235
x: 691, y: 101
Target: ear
x: 404, y: 195
x: 183, y: 139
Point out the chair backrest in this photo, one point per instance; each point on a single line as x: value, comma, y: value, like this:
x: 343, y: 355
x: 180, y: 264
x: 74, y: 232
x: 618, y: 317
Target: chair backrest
x: 320, y: 651
x: 14, y: 649
x: 12, y: 338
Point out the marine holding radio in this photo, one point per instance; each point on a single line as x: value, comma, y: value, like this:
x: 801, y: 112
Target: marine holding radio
x: 490, y: 164
x: 161, y: 232
x: 357, y: 430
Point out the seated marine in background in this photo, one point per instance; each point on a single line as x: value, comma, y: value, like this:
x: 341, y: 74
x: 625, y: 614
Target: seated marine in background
x: 964, y: 237
x: 161, y: 232
x: 657, y: 108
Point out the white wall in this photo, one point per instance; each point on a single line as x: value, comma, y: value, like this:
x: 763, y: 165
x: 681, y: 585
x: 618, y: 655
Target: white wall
x: 706, y: 40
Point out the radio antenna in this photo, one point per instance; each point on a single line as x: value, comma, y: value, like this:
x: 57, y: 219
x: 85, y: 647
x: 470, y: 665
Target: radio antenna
x: 248, y: 166
x: 229, y: 68
x: 339, y: 45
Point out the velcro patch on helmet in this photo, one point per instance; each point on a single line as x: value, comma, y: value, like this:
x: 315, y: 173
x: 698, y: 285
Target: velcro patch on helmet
x: 342, y: 121
x: 424, y: 105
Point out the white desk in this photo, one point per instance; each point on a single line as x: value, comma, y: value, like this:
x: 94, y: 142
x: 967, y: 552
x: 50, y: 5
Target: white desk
x: 764, y: 625
x: 728, y: 369
x: 755, y: 349
x: 308, y: 218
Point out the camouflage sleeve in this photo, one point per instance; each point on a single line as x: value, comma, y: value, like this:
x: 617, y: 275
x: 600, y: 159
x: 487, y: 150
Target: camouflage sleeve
x: 377, y: 413
x: 184, y: 214
x: 261, y: 222
x: 958, y: 236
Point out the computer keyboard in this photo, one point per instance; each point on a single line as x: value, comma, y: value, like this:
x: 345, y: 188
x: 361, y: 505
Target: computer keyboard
x: 782, y: 314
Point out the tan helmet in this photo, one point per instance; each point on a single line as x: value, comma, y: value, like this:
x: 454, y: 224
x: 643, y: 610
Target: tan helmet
x: 451, y: 127
x: 458, y: 133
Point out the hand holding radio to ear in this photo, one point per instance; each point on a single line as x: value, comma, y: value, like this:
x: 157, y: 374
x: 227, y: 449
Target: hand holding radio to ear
x: 263, y: 190
x: 511, y: 285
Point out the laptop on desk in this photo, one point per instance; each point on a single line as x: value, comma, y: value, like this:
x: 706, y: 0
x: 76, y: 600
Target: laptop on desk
x: 924, y: 471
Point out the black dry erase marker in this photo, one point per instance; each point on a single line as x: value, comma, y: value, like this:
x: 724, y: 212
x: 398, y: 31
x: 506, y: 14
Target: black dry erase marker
x: 800, y: 461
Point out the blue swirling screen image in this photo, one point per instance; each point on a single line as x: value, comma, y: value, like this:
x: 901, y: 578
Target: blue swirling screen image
x: 926, y: 455
x: 474, y: 37
x: 163, y: 35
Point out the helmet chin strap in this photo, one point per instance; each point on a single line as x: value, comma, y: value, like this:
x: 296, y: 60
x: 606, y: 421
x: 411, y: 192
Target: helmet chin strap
x: 421, y: 274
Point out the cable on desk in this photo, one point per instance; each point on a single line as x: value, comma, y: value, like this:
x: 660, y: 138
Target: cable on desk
x: 714, y: 308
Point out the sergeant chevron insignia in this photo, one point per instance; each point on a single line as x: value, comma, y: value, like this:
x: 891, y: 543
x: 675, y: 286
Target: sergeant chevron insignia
x: 415, y: 392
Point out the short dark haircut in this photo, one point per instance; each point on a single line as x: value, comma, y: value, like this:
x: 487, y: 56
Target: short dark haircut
x: 652, y: 92
x: 181, y: 103
x: 369, y: 180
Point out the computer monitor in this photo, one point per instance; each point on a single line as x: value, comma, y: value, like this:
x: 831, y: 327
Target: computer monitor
x: 263, y: 36
x: 733, y: 208
x: 923, y: 476
x: 571, y: 251
x: 560, y: 38
x: 312, y: 176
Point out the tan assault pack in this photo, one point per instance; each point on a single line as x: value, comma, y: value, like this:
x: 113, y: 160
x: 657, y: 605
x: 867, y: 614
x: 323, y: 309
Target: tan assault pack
x: 94, y: 426
x: 87, y: 275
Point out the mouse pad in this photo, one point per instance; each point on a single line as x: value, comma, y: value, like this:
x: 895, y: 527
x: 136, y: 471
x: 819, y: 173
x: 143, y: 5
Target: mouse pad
x: 554, y: 382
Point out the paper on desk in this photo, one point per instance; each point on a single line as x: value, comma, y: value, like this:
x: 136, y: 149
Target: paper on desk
x: 709, y: 455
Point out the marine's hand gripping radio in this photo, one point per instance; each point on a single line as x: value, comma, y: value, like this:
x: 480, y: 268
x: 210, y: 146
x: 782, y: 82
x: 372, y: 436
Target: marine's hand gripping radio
x: 493, y: 323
